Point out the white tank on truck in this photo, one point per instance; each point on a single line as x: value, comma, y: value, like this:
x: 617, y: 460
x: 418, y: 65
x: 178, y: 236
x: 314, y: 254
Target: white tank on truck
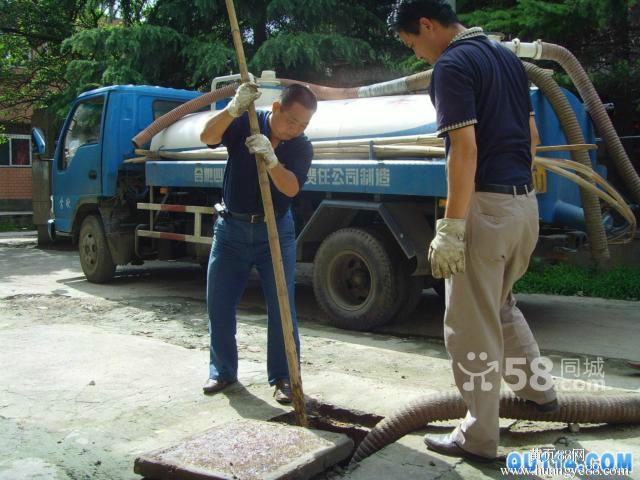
x: 377, y: 117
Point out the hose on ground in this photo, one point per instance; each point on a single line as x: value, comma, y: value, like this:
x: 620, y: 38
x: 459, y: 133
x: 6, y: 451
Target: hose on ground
x: 605, y: 128
x: 571, y: 128
x: 574, y: 408
x: 177, y: 113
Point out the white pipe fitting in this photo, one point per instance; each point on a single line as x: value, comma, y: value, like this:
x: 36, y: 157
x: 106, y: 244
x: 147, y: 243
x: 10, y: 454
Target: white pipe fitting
x: 525, y: 50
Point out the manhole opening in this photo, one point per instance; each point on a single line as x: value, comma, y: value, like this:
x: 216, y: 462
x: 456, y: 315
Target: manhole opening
x: 331, y: 418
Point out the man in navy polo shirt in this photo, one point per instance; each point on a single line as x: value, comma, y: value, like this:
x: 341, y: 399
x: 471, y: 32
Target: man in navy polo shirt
x: 240, y: 239
x: 490, y: 228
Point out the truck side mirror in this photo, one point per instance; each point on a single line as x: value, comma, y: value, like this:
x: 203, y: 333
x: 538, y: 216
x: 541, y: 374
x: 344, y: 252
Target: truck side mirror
x: 38, y: 142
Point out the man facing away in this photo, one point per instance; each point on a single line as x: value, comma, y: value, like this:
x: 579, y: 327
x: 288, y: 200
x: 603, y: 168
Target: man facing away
x: 240, y: 239
x: 483, y: 244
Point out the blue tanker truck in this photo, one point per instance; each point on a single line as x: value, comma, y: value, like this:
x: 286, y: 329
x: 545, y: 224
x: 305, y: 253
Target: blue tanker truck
x: 364, y: 218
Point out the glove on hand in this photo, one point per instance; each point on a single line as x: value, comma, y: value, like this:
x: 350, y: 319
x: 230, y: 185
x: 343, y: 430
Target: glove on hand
x: 446, y: 252
x: 246, y: 94
x: 261, y: 145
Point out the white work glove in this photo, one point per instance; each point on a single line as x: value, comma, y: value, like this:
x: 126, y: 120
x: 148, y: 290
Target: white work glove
x: 261, y: 145
x: 246, y: 94
x: 446, y: 252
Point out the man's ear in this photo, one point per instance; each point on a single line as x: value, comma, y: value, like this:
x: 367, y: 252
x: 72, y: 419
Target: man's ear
x: 275, y: 107
x: 426, y: 23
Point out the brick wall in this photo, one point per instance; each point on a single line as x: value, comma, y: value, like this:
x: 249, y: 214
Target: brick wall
x: 15, y: 183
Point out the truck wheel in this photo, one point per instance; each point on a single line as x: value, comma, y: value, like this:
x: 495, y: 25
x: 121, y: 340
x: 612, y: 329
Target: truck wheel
x: 409, y: 288
x: 95, y: 256
x: 411, y: 295
x: 353, y: 280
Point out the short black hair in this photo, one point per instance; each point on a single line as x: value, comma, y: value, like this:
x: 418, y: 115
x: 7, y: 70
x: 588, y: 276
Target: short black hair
x: 406, y: 15
x: 299, y: 93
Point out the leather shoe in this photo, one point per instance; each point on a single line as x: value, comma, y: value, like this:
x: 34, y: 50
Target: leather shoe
x: 283, y: 392
x: 214, y: 385
x: 449, y: 447
x: 547, y: 407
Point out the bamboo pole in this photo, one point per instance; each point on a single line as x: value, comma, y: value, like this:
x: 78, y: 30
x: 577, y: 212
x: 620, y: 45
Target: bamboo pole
x: 429, y: 140
x: 274, y: 241
x: 567, y: 148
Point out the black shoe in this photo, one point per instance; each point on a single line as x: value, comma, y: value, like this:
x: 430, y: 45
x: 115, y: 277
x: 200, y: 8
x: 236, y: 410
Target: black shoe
x: 283, y: 392
x: 449, y: 447
x: 547, y: 407
x: 214, y: 385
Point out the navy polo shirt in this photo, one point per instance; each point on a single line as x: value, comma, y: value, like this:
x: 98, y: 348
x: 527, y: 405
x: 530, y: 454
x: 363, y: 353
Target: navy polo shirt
x: 479, y: 82
x: 240, y: 187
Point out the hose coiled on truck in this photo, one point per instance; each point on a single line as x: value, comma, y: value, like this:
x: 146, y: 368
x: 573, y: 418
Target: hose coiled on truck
x: 549, y: 51
x: 605, y: 128
x: 177, y: 113
x: 574, y: 408
x: 411, y: 83
x: 573, y: 132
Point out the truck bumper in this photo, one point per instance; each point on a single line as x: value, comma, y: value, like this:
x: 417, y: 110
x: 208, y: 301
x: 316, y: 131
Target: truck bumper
x: 51, y: 229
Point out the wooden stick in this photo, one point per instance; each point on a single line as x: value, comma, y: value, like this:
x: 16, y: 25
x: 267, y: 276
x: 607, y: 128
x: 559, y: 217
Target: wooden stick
x: 567, y: 148
x: 274, y: 241
x: 407, y: 139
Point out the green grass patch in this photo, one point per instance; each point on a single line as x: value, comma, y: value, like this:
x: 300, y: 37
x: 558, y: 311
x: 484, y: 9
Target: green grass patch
x: 622, y: 283
x: 12, y: 227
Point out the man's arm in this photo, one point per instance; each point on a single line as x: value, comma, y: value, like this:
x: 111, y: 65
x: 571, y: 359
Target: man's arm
x: 284, y: 180
x: 461, y: 171
x: 215, y: 128
x: 535, y: 138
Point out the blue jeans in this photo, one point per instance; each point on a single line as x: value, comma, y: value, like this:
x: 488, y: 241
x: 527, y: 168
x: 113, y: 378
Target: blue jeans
x: 237, y: 247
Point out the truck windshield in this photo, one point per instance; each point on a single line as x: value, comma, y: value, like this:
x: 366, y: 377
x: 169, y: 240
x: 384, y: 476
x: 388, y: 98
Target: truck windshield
x: 160, y: 107
x: 84, y: 128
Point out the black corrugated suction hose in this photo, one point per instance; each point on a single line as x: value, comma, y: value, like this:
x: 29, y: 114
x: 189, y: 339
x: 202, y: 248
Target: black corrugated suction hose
x: 574, y: 408
x: 573, y: 132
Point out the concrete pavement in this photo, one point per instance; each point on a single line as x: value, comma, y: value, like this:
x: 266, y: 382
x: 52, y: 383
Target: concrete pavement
x: 94, y: 375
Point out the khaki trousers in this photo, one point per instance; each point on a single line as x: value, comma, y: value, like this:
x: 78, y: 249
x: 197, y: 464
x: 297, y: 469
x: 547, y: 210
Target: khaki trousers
x: 486, y: 335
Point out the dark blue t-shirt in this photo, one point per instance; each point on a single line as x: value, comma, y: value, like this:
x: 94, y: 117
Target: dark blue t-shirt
x: 240, y: 187
x: 479, y: 82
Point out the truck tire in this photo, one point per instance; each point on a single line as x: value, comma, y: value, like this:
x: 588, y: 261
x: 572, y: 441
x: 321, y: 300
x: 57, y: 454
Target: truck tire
x: 411, y: 295
x: 408, y: 286
x: 95, y: 256
x: 353, y: 280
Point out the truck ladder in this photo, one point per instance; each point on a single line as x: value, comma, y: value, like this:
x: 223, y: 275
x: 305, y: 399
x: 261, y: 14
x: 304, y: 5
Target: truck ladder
x: 180, y: 237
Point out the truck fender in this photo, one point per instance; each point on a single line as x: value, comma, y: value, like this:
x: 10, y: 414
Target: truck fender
x: 407, y: 223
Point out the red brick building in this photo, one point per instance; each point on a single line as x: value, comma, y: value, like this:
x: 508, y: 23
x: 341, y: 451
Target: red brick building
x: 15, y: 162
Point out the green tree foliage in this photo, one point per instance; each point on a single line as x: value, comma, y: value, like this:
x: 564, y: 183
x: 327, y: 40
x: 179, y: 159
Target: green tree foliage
x: 603, y: 34
x: 31, y: 65
x: 315, y: 36
x: 51, y: 50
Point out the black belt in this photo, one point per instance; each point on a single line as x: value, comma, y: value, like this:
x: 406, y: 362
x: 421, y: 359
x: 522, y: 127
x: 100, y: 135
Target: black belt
x: 251, y: 217
x: 507, y: 189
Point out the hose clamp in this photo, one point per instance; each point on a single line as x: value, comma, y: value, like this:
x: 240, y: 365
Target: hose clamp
x: 516, y: 46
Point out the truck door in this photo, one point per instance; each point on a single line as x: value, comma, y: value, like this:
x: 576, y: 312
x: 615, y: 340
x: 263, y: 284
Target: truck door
x: 77, y: 166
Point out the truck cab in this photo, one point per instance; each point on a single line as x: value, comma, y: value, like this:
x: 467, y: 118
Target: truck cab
x: 88, y: 162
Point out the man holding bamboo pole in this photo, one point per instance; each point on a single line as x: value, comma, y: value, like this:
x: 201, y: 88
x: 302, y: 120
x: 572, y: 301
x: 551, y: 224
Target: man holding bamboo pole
x: 240, y: 239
